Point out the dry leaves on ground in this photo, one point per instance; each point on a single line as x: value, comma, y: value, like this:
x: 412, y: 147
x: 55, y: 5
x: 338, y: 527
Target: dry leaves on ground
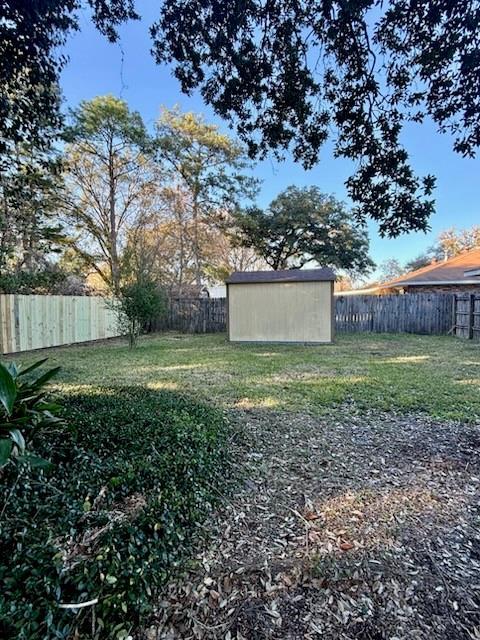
x: 354, y: 527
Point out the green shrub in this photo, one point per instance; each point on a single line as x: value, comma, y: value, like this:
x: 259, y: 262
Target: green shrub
x: 140, y: 303
x: 131, y: 479
x: 24, y: 410
x: 43, y: 281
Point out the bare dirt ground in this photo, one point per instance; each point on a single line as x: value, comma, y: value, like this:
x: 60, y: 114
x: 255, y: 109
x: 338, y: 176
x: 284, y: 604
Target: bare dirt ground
x: 360, y: 527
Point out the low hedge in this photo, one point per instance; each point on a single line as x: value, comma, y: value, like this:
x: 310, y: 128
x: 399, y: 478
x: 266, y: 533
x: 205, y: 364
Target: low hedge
x: 132, y: 476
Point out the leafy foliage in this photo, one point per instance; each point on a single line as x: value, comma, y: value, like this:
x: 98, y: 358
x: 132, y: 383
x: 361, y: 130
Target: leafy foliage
x: 29, y: 201
x: 24, y: 409
x: 210, y: 167
x: 21, y: 281
x: 30, y: 35
x: 390, y: 269
x: 131, y: 479
x: 301, y: 226
x: 287, y: 74
x: 140, y: 303
x: 109, y: 181
x: 449, y: 243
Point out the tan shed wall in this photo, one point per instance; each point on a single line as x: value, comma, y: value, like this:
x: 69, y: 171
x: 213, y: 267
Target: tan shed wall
x: 280, y: 312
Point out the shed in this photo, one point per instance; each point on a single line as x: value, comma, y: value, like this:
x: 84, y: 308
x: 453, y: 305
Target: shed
x: 294, y: 305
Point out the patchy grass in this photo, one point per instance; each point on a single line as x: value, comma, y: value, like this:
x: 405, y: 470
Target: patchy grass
x: 436, y: 375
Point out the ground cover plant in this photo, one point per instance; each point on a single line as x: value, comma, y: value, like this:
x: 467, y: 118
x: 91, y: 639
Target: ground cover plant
x: 131, y: 478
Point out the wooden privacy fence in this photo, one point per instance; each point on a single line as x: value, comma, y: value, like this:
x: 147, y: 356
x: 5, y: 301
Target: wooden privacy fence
x: 194, y: 315
x: 36, y: 321
x: 467, y: 315
x: 427, y: 313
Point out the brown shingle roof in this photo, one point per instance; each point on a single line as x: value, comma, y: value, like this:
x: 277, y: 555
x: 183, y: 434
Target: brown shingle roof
x: 287, y: 275
x: 450, y: 271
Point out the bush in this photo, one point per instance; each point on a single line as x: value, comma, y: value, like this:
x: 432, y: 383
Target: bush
x: 130, y: 481
x: 140, y: 303
x: 26, y: 282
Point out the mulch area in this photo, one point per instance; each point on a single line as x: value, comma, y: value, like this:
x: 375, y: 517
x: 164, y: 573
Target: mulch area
x: 359, y: 526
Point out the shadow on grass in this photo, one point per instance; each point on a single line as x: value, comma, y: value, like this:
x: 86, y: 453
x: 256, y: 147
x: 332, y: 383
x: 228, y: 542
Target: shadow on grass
x: 134, y: 475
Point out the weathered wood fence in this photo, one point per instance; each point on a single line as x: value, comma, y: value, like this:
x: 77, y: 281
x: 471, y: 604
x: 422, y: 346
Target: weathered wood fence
x: 194, y: 315
x: 37, y: 321
x: 427, y: 313
x: 424, y: 313
x: 467, y: 315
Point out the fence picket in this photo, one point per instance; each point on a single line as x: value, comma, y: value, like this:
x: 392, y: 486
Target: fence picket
x: 38, y: 321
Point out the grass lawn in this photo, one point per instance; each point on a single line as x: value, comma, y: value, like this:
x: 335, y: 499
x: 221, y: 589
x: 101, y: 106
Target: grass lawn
x: 436, y: 375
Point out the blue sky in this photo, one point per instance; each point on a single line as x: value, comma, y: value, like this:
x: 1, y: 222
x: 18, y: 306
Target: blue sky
x: 96, y: 68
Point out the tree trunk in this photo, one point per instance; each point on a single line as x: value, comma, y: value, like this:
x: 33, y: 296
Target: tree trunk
x: 182, y: 231
x: 113, y: 222
x: 196, y: 242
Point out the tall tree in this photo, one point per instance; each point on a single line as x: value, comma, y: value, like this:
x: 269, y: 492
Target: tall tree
x: 451, y: 242
x: 304, y: 226
x: 159, y: 244
x: 422, y: 260
x: 288, y: 74
x: 110, y: 181
x: 160, y: 248
x: 226, y: 256
x: 210, y: 167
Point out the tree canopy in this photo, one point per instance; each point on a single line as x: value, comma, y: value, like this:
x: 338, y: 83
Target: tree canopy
x: 449, y: 243
x: 109, y: 180
x: 288, y: 74
x: 30, y: 36
x: 302, y: 226
x: 209, y: 166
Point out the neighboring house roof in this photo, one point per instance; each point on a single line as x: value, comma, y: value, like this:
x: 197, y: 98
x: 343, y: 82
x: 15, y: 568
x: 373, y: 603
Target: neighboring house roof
x: 462, y: 269
x: 471, y: 273
x: 450, y: 271
x: 287, y: 275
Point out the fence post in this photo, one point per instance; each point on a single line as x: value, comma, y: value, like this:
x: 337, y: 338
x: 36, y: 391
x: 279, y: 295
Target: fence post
x: 471, y: 315
x: 454, y: 315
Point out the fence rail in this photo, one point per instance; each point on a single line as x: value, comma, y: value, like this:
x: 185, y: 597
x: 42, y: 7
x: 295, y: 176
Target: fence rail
x: 37, y: 321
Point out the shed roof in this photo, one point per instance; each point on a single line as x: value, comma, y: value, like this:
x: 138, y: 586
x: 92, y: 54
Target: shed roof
x: 286, y: 275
